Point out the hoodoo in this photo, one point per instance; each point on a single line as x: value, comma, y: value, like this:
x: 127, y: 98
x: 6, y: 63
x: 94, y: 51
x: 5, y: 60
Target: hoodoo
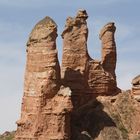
x: 45, y: 109
x: 79, y: 100
x: 136, y: 88
x: 108, y: 48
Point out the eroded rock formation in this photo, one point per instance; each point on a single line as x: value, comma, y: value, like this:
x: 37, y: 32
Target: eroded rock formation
x: 45, y: 104
x: 81, y: 104
x: 136, y: 88
x: 85, y: 76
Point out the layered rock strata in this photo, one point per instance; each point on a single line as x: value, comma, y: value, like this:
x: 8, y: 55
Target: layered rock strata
x: 57, y: 107
x: 42, y: 114
x: 136, y: 88
x: 108, y: 48
x: 75, y: 56
x: 85, y: 76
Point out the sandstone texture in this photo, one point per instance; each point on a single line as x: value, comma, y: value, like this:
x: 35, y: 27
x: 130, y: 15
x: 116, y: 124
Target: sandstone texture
x: 79, y: 100
x: 108, y: 48
x: 136, y: 88
x: 85, y: 76
x: 44, y: 107
x: 7, y: 135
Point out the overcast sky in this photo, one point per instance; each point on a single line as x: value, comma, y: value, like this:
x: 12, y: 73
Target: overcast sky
x: 17, y: 18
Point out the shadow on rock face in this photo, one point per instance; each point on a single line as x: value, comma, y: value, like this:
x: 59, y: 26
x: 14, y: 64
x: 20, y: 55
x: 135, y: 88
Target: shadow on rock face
x: 88, y: 120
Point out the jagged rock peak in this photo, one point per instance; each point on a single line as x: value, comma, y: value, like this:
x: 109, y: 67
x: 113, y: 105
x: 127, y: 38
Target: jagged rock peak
x: 136, y: 88
x: 82, y: 14
x: 65, y: 107
x: 44, y: 28
x: 109, y: 55
x: 108, y: 27
x: 76, y: 21
x: 136, y: 80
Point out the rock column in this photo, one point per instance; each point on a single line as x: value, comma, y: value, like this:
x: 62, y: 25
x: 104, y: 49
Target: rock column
x: 75, y: 55
x: 42, y: 118
x: 52, y: 106
x: 108, y: 48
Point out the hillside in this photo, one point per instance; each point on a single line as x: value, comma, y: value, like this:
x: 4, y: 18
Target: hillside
x: 7, y: 135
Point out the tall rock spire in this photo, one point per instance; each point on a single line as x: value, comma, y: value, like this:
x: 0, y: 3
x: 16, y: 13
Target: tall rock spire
x: 75, y: 43
x: 75, y: 55
x: 42, y: 66
x: 136, y: 88
x: 42, y: 83
x: 108, y: 48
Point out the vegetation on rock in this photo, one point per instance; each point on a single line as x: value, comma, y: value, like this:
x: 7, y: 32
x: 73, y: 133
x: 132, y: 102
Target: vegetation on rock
x: 7, y: 135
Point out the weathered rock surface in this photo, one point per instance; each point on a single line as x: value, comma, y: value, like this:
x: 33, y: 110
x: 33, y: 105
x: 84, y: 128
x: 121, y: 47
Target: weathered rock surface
x: 136, y: 88
x: 85, y: 76
x: 43, y: 109
x: 108, y: 48
x: 7, y: 135
x: 84, y: 103
x: 108, y: 118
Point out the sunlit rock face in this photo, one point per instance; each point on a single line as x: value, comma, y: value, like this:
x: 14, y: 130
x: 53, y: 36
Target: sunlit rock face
x: 85, y: 76
x: 108, y: 48
x: 45, y: 105
x: 136, y: 88
x: 78, y: 100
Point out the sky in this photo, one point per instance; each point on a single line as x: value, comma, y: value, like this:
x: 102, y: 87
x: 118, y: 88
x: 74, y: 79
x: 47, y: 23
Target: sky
x: 18, y: 17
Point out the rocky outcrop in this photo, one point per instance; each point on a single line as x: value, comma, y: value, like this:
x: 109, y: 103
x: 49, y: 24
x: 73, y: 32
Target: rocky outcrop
x: 85, y: 76
x: 75, y: 56
x: 7, y: 135
x: 108, y: 48
x: 80, y: 100
x: 136, y: 88
x: 43, y: 111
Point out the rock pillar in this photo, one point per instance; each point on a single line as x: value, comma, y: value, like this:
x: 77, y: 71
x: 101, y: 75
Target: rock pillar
x: 43, y: 117
x: 108, y: 48
x: 136, y: 88
x: 75, y: 55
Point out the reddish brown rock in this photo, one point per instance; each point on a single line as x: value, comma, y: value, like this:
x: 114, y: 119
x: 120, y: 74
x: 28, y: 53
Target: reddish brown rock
x: 75, y: 34
x: 136, y: 88
x: 43, y: 111
x: 108, y: 48
x: 83, y: 102
x: 86, y: 77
